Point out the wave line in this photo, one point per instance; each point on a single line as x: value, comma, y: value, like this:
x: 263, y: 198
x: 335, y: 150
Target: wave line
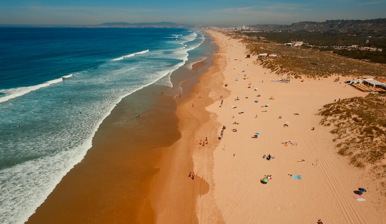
x: 130, y: 55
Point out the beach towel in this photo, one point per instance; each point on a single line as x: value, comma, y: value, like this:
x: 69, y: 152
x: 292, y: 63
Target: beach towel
x: 299, y: 177
x: 358, y: 196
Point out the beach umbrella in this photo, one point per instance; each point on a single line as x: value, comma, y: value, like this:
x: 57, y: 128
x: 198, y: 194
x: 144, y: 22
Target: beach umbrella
x: 299, y: 177
x: 358, y: 192
x: 265, y: 180
x: 362, y: 190
x: 257, y: 133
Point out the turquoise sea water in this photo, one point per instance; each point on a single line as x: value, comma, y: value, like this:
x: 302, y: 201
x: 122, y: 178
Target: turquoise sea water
x: 56, y: 87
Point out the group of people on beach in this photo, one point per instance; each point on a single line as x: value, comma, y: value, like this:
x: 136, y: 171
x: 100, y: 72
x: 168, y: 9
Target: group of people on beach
x: 204, y: 142
x: 222, y: 132
x: 265, y: 106
x: 191, y: 175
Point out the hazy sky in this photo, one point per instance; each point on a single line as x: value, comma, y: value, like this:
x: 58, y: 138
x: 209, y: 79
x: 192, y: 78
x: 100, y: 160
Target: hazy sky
x: 197, y: 12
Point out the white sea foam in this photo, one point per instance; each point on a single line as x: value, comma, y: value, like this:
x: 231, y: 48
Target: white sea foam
x: 189, y: 37
x: 130, y: 55
x: 183, y: 55
x: 175, y: 36
x: 20, y: 91
x: 66, y: 76
x: 29, y: 184
x: 34, y: 180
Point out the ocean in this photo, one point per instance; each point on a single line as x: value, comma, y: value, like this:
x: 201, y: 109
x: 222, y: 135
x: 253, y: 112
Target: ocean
x: 57, y: 85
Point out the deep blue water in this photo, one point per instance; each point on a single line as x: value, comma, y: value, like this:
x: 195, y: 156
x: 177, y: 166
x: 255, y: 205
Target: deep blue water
x: 47, y: 122
x: 32, y: 56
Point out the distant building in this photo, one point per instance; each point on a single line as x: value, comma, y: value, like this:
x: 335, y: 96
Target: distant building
x: 297, y: 43
x: 369, y: 49
x: 369, y: 85
x: 380, y: 80
x: 375, y: 83
x: 294, y: 44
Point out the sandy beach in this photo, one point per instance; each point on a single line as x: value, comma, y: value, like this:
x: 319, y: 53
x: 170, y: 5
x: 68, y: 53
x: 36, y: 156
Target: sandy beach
x: 208, y: 153
x: 234, y: 100
x: 112, y: 183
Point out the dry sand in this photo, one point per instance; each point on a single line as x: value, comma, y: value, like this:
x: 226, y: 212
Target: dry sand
x: 227, y: 186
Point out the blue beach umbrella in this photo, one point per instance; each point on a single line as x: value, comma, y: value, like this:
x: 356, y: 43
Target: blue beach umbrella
x: 299, y: 177
x: 362, y: 190
x: 257, y: 133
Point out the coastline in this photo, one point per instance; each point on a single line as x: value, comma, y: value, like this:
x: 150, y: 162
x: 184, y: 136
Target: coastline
x: 174, y: 194
x: 112, y: 182
x: 226, y: 188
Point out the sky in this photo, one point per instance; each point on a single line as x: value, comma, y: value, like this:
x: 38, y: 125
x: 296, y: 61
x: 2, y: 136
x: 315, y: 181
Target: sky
x: 193, y: 12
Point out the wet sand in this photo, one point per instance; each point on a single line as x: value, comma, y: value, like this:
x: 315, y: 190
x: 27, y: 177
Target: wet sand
x: 146, y: 179
x: 174, y: 193
x: 112, y: 183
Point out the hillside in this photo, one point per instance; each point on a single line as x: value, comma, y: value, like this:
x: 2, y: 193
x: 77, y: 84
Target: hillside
x: 339, y: 26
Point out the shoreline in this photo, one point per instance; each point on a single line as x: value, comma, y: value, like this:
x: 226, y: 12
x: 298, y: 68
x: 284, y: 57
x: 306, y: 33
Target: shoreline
x: 173, y: 192
x: 94, y: 189
x: 227, y: 189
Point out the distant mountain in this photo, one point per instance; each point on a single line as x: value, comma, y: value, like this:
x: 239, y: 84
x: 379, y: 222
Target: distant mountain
x: 143, y: 25
x: 339, y: 26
